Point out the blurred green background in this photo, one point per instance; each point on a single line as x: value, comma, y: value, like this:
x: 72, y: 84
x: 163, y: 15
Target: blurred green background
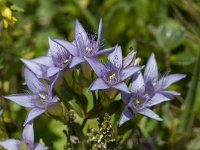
x: 169, y: 28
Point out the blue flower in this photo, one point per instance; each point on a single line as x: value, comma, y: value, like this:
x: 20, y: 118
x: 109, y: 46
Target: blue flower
x: 112, y: 74
x: 27, y: 140
x: 38, y: 100
x: 148, y: 91
x: 85, y: 45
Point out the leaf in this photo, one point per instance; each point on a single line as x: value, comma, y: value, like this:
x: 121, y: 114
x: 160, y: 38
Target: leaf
x: 17, y: 8
x: 170, y: 34
x: 194, y: 144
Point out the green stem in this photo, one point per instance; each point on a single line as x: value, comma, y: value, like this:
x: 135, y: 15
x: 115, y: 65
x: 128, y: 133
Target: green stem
x: 187, y: 117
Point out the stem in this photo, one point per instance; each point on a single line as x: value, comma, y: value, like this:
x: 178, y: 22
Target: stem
x: 187, y: 117
x: 167, y: 59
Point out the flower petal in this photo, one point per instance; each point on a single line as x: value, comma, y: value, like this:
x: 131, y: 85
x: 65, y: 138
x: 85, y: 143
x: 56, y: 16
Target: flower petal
x: 28, y: 133
x: 170, y: 79
x: 80, y: 32
x: 45, y: 60
x: 68, y: 46
x: 52, y: 71
x: 116, y: 57
x: 96, y: 65
x: 151, y: 69
x: 149, y: 113
x: 36, y: 68
x: 126, y: 115
x: 40, y: 147
x: 32, y: 114
x: 138, y: 84
x: 25, y: 100
x: 75, y: 61
x: 98, y: 84
x: 122, y: 87
x: 129, y: 59
x: 129, y: 71
x: 171, y: 93
x: 156, y: 99
x: 105, y: 51
x: 33, y: 82
x: 10, y: 144
x: 99, y: 32
x: 125, y: 97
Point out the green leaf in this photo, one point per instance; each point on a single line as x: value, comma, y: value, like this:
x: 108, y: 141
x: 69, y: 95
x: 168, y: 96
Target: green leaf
x: 194, y: 144
x: 17, y: 8
x: 170, y: 34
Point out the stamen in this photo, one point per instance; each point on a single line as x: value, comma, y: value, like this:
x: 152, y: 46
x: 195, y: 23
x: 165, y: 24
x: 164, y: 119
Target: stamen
x: 66, y: 61
x: 111, y: 76
x: 138, y: 101
x: 89, y: 49
x: 42, y: 98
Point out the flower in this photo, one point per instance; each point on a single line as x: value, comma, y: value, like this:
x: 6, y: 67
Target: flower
x: 155, y: 84
x: 45, y: 67
x: 85, y: 45
x: 26, y: 141
x: 39, y: 99
x: 112, y: 74
x: 147, y: 91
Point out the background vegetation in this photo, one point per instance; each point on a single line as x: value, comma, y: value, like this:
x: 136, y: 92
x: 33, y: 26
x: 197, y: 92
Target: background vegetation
x: 169, y: 28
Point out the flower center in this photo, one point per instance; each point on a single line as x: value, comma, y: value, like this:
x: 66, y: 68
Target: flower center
x: 66, y: 61
x: 111, y: 76
x: 42, y: 98
x: 138, y: 101
x: 88, y: 49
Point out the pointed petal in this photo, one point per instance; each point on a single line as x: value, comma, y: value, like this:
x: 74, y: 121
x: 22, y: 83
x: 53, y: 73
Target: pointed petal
x: 99, y: 32
x: 122, y: 87
x: 40, y: 147
x: 45, y: 60
x: 28, y: 133
x: 129, y: 71
x: 52, y: 71
x: 151, y: 69
x: 25, y: 100
x: 33, y: 82
x: 55, y: 99
x: 116, y: 57
x: 137, y: 84
x: 10, y: 144
x: 53, y: 80
x: 96, y: 65
x: 157, y: 99
x: 171, y: 93
x: 98, y: 84
x: 129, y: 59
x: 75, y: 61
x: 68, y: 46
x: 34, y: 67
x: 105, y: 51
x: 126, y: 115
x: 170, y: 79
x: 125, y: 97
x: 32, y: 114
x: 149, y: 113
x: 80, y: 32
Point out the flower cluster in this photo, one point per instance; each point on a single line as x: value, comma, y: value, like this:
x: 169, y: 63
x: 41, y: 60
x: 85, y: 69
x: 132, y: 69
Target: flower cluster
x: 146, y: 90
